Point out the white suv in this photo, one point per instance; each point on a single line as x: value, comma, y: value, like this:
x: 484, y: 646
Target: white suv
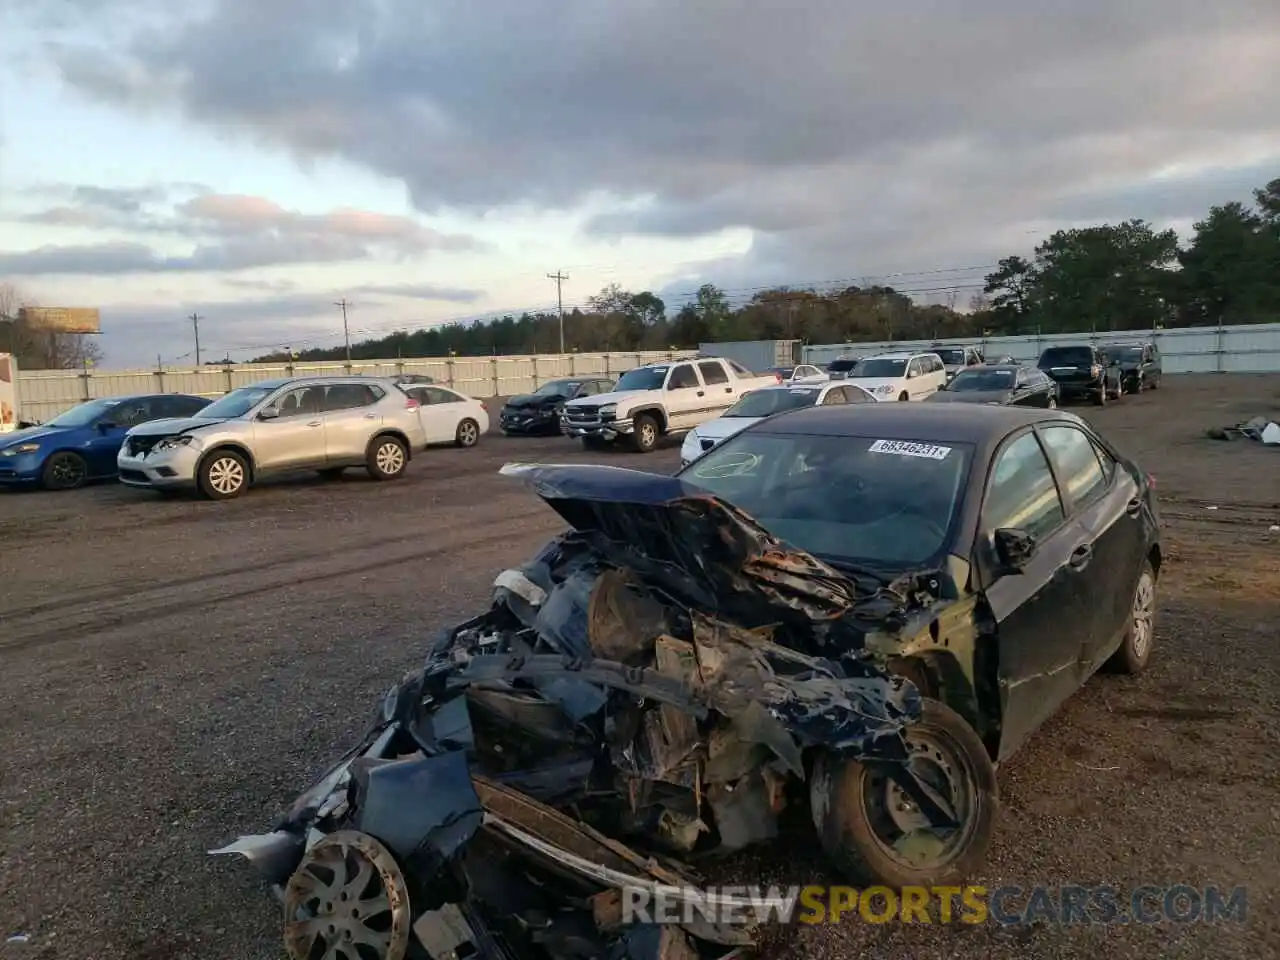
x: 900, y: 376
x: 277, y: 426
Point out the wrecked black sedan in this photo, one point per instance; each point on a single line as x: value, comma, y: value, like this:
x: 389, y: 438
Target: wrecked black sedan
x: 662, y: 681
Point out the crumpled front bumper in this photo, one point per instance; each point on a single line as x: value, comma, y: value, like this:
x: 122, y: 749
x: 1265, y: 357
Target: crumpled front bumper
x: 598, y: 430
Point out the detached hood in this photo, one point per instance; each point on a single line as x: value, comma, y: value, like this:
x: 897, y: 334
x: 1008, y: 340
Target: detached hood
x: 969, y: 396
x: 32, y: 435
x: 695, y: 544
x: 536, y: 401
x: 170, y: 426
x: 619, y: 397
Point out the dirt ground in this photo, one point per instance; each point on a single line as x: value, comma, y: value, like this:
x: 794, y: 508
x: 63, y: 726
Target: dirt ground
x: 173, y: 672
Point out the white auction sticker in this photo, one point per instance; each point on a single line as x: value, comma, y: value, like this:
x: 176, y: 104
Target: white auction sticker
x: 908, y: 448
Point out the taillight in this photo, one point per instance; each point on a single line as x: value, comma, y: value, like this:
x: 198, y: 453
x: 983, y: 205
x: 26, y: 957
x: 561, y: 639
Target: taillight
x: 411, y: 404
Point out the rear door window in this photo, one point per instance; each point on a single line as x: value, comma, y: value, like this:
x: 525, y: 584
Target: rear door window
x: 712, y: 372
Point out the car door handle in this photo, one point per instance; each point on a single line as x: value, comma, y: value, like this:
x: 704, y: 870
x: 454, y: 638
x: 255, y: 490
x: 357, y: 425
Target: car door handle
x: 1081, y: 556
x: 371, y: 416
x: 314, y: 423
x: 702, y: 393
x: 1133, y: 507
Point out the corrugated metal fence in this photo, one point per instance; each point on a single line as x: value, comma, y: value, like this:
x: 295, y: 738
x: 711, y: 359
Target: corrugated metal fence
x: 46, y: 393
x: 1245, y: 348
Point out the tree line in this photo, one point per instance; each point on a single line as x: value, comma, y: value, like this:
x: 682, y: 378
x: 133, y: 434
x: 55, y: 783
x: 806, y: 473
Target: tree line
x: 1107, y: 278
x: 40, y: 349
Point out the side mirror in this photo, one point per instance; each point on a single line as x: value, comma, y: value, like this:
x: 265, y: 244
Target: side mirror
x: 1014, y: 548
x: 268, y: 413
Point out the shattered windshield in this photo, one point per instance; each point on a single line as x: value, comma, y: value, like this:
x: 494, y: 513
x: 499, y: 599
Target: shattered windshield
x: 765, y: 403
x: 888, y: 504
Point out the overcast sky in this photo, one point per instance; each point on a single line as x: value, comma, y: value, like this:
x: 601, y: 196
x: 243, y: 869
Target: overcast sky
x: 255, y: 160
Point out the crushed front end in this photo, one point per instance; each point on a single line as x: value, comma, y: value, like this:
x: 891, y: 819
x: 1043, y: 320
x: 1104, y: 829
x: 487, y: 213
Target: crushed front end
x: 654, y: 686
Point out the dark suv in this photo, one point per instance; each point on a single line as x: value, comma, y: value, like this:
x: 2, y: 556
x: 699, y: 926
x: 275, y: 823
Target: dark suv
x: 1140, y: 365
x: 1082, y: 371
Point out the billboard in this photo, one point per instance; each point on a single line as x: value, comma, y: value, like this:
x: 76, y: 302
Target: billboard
x: 61, y: 319
x: 8, y: 394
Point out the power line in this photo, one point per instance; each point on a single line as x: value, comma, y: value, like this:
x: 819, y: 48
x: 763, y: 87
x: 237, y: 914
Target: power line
x: 559, y: 278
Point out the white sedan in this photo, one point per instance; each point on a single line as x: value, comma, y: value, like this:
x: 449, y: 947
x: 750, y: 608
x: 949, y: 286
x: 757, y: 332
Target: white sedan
x: 449, y: 416
x: 765, y: 402
x: 807, y: 373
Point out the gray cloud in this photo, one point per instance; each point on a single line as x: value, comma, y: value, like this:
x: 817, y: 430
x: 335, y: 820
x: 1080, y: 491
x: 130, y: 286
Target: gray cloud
x: 230, y: 232
x: 423, y: 291
x: 848, y: 136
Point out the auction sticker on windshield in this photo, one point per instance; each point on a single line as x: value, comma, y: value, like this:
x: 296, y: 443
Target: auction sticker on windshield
x: 908, y: 448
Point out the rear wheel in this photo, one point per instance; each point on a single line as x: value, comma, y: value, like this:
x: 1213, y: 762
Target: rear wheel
x: 468, y: 434
x: 646, y: 433
x: 223, y: 474
x: 1135, y: 650
x: 874, y: 832
x: 64, y: 471
x: 387, y: 458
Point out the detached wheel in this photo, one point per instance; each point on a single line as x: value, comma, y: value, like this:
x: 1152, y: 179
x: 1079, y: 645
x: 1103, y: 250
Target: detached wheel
x: 875, y: 834
x: 64, y: 471
x: 222, y: 475
x: 468, y: 434
x: 387, y: 458
x: 1135, y: 650
x: 646, y: 433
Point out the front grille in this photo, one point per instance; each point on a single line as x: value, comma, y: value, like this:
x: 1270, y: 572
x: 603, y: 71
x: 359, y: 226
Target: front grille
x: 582, y: 414
x: 141, y: 446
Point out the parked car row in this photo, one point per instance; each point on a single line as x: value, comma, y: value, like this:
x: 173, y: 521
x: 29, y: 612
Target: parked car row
x: 173, y: 443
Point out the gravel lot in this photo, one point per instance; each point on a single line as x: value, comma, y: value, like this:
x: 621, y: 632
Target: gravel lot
x: 174, y: 671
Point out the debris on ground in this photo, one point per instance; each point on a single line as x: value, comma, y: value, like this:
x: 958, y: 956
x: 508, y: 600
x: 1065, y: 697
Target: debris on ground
x: 1259, y: 428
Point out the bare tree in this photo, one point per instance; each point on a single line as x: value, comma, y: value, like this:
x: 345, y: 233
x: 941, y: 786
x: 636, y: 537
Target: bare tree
x: 41, y: 349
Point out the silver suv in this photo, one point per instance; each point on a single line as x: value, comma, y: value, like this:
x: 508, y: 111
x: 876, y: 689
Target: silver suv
x: 276, y: 426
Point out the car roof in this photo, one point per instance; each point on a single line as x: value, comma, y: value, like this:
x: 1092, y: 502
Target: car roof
x: 979, y: 424
x: 995, y: 366
x: 899, y: 355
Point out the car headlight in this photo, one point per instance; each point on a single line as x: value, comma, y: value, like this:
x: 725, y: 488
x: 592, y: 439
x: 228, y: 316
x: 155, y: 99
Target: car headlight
x: 19, y: 448
x: 173, y: 443
x: 608, y: 409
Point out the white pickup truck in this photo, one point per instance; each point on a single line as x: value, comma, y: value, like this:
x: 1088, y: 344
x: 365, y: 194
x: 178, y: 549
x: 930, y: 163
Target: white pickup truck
x: 660, y: 398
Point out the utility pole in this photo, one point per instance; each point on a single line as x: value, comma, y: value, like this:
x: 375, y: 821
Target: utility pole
x: 346, y: 333
x: 559, y: 278
x: 195, y: 319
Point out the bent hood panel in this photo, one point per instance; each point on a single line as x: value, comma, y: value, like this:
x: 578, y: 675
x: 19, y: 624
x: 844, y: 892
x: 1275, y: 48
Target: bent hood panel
x: 664, y: 526
x: 170, y: 426
x: 535, y: 401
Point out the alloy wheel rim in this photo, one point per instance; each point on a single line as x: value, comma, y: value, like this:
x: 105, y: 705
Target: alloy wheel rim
x: 469, y: 434
x: 1144, y: 602
x: 390, y: 458
x: 226, y: 475
x: 648, y: 434
x: 68, y: 471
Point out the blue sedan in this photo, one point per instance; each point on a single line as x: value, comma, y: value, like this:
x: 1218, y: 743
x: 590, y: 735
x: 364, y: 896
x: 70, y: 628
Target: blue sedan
x: 81, y: 444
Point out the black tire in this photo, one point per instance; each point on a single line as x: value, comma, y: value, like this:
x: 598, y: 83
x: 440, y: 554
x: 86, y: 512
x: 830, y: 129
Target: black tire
x: 64, y: 470
x: 851, y: 832
x: 332, y: 473
x: 904, y: 396
x: 468, y: 434
x: 222, y: 475
x: 595, y: 444
x: 646, y: 434
x: 387, y: 457
x: 1139, y: 637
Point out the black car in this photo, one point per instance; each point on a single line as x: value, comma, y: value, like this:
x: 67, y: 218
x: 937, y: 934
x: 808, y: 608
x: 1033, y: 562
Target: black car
x: 839, y: 369
x: 1082, y: 371
x: 1140, y: 365
x: 539, y: 412
x: 854, y: 610
x: 1005, y: 384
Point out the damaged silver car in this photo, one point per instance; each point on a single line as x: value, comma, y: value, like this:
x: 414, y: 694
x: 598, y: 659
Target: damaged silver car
x: 660, y: 683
